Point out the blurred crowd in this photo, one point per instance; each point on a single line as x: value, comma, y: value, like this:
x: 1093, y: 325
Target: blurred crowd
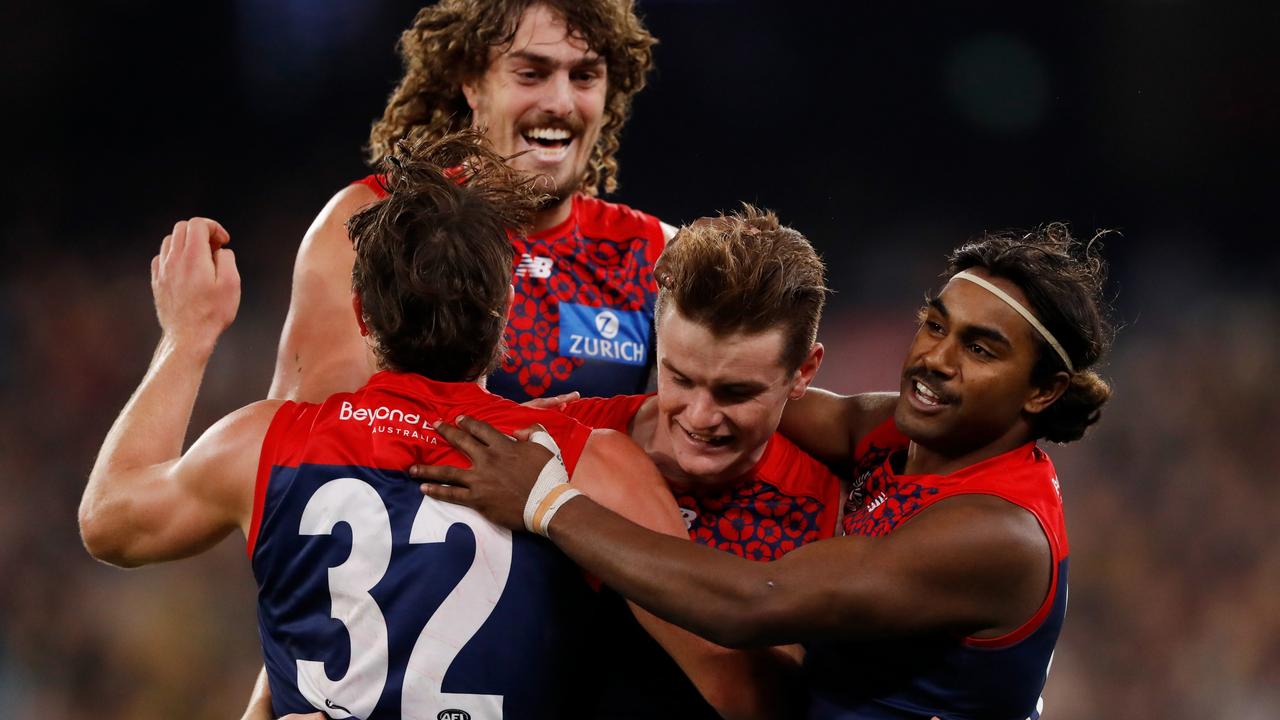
x: 1174, y: 609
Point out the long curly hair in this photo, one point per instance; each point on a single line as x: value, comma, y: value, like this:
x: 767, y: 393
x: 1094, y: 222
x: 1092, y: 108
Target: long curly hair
x: 449, y: 44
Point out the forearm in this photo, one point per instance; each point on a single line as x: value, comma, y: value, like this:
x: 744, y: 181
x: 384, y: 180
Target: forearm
x: 148, y: 432
x: 153, y: 424
x: 739, y: 684
x: 711, y: 593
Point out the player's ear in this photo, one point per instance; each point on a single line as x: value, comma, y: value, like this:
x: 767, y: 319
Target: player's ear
x: 806, y: 372
x: 1045, y: 394
x: 359, y: 308
x: 511, y: 301
x: 471, y: 91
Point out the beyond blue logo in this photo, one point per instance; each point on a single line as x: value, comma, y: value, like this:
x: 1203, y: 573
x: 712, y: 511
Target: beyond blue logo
x: 620, y: 336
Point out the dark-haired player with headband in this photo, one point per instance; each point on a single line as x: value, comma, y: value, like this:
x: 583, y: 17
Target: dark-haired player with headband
x: 375, y: 602
x: 946, y: 596
x: 550, y: 84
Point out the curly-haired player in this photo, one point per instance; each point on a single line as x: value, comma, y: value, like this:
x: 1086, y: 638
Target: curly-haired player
x: 947, y: 595
x: 550, y: 84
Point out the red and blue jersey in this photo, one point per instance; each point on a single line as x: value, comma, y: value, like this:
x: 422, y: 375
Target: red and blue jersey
x: 376, y: 602
x: 950, y: 677
x: 582, y: 318
x: 787, y: 500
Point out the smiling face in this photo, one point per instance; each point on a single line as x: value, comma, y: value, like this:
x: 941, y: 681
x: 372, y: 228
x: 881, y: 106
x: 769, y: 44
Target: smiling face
x: 544, y: 94
x: 720, y: 398
x: 966, y: 383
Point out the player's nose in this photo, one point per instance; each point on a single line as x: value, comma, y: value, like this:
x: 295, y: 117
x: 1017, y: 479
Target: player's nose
x: 557, y: 95
x: 702, y: 414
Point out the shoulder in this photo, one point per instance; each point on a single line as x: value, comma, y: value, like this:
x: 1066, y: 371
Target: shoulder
x: 795, y: 470
x: 345, y: 203
x: 614, y: 413
x: 870, y: 412
x: 243, y: 428
x: 377, y: 184
x: 224, y: 457
x: 617, y: 221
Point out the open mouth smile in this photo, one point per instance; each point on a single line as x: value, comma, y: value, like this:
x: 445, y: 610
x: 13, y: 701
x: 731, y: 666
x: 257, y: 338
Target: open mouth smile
x: 549, y: 144
x: 715, y: 441
x: 927, y: 397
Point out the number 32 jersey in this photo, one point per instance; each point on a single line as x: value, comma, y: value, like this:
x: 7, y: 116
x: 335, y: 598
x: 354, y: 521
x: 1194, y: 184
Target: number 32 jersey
x: 377, y: 602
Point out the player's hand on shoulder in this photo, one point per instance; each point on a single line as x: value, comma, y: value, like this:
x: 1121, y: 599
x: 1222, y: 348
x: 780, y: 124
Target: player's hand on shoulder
x: 502, y: 473
x: 555, y: 402
x: 195, y: 282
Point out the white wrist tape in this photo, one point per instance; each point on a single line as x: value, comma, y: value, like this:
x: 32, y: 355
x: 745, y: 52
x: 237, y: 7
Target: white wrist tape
x: 550, y: 491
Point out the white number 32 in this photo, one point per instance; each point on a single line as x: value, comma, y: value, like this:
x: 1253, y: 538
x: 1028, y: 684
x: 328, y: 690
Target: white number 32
x: 452, y: 625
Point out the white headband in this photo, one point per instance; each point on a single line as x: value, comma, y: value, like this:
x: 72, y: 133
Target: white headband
x: 1026, y: 314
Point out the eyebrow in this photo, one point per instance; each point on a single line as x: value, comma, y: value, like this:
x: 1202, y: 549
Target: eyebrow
x: 539, y: 59
x: 971, y: 332
x: 747, y: 386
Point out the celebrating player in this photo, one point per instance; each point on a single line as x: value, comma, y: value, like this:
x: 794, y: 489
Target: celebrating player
x: 948, y: 593
x: 739, y: 302
x: 350, y: 560
x: 552, y: 80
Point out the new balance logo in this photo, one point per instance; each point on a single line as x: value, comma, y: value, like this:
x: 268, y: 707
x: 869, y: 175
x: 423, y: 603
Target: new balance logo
x: 534, y: 266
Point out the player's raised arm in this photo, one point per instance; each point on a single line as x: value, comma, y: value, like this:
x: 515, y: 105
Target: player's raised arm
x: 321, y: 351
x: 145, y: 501
x: 963, y: 567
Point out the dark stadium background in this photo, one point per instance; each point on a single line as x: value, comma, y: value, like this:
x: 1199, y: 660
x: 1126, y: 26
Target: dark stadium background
x: 886, y: 132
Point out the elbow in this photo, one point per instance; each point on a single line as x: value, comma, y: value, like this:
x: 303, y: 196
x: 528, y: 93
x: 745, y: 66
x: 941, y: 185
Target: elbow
x: 100, y: 539
x: 757, y: 617
x: 743, y: 622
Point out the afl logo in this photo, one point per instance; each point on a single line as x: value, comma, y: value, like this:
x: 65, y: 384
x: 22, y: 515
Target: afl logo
x: 453, y: 715
x: 689, y: 516
x: 607, y: 324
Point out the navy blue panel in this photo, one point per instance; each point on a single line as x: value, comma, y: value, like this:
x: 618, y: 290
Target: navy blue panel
x: 527, y: 650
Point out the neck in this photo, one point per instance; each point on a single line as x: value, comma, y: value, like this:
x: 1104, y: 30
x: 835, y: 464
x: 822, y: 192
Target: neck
x: 925, y: 461
x: 552, y: 215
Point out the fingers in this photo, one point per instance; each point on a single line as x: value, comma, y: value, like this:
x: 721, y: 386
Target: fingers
x: 166, y: 247
x: 439, y: 474
x: 483, y: 431
x: 446, y: 493
x: 216, y: 234
x: 155, y: 268
x: 524, y: 433
x: 460, y: 439
x: 179, y: 237
x: 567, y: 398
x: 199, y: 231
x: 556, y: 402
x: 224, y: 267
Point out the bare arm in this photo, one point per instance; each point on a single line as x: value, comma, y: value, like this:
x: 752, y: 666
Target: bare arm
x: 828, y: 426
x: 738, y: 684
x: 145, y: 501
x: 321, y: 351
x: 972, y: 564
